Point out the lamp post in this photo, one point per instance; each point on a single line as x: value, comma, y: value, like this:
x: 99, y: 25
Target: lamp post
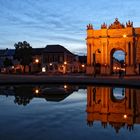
x: 65, y: 67
x: 94, y: 61
x: 125, y: 36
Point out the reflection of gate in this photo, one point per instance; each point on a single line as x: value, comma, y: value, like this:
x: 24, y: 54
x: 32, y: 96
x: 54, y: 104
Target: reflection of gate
x: 111, y: 109
x: 117, y: 95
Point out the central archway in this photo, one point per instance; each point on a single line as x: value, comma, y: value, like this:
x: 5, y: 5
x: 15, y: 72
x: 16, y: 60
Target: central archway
x: 117, y: 61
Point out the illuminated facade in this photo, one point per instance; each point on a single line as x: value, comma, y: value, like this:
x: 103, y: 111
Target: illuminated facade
x: 108, y: 40
x: 104, y: 105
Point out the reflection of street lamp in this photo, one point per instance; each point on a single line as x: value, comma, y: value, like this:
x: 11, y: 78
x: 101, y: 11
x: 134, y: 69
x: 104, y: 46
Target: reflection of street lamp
x: 65, y: 86
x: 36, y: 91
x: 94, y: 60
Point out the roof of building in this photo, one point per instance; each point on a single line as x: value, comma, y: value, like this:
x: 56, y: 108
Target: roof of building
x: 56, y: 49
x: 82, y: 59
x: 37, y: 51
x: 10, y: 52
x: 7, y: 52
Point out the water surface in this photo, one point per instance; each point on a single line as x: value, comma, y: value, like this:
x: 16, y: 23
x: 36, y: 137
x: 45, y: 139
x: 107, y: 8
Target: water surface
x: 69, y: 112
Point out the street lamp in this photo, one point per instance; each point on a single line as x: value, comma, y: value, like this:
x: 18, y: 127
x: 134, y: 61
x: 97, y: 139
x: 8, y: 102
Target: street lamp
x: 36, y: 60
x: 125, y: 53
x: 94, y: 60
x: 65, y: 66
x: 124, y: 36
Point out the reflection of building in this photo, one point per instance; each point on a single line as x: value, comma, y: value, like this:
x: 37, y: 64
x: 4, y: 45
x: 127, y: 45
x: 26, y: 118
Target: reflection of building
x: 110, y: 39
x: 104, y: 105
x: 25, y: 93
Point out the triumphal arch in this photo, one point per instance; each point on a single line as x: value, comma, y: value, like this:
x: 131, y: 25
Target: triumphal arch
x: 102, y: 43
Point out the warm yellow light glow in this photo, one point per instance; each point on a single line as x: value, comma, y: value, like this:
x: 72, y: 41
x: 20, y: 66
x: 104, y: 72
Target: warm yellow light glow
x: 124, y: 35
x: 65, y: 86
x: 37, y: 60
x: 83, y: 65
x: 115, y: 68
x: 43, y: 69
x: 65, y: 63
x: 124, y: 116
x: 36, y: 91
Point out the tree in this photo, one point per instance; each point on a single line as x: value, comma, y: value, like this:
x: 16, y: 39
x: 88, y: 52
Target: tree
x: 23, y: 53
x: 7, y: 62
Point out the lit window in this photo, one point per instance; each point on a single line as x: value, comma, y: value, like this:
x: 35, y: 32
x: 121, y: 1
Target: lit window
x: 43, y: 69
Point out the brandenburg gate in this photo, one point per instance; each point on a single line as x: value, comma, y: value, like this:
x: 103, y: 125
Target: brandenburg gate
x: 102, y: 43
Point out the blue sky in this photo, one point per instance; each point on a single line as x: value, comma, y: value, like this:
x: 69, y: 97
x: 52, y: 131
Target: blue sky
x: 42, y: 22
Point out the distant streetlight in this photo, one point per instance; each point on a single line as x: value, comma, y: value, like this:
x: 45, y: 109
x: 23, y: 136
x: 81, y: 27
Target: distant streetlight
x: 65, y: 86
x: 65, y: 62
x: 65, y: 66
x: 36, y: 60
x: 94, y: 60
x: 83, y: 65
x: 124, y: 36
x: 36, y: 90
x: 125, y: 116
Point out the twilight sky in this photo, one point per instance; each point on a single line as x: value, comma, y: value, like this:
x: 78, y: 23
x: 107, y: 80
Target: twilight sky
x: 43, y: 22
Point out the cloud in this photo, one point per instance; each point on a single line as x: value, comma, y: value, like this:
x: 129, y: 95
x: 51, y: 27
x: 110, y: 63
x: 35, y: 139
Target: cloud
x: 60, y: 22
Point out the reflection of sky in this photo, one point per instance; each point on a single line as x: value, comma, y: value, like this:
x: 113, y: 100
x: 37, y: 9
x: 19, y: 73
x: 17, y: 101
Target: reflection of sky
x: 118, y: 93
x: 42, y: 22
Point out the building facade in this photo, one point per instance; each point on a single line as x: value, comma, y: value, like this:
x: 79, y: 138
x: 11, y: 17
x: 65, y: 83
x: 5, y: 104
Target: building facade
x: 102, y: 43
x: 56, y: 59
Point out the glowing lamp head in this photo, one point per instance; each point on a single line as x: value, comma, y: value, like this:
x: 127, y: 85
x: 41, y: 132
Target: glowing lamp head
x: 65, y: 86
x: 65, y: 63
x: 50, y: 64
x: 36, y: 91
x: 37, y: 60
x: 125, y: 116
x: 83, y: 65
x: 124, y: 36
